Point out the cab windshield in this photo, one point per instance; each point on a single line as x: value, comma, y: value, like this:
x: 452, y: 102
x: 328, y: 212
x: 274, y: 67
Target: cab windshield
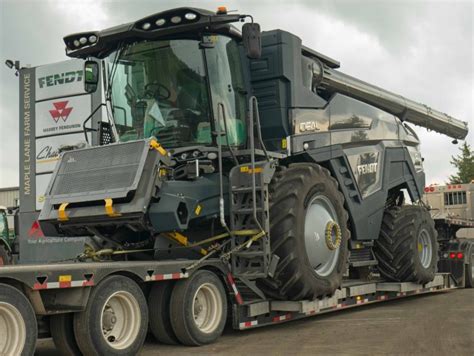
x: 171, y: 89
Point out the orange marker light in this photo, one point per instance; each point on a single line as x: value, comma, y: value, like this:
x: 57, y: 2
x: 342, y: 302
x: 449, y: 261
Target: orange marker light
x: 222, y: 10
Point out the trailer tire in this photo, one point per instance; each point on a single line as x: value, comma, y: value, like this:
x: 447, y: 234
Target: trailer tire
x: 18, y: 327
x: 407, y: 248
x: 116, y: 302
x: 159, y: 310
x: 306, y: 205
x: 469, y: 273
x: 198, y: 309
x: 5, y: 258
x: 62, y: 331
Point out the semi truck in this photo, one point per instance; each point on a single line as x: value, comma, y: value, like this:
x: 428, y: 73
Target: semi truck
x: 452, y: 209
x: 178, y: 172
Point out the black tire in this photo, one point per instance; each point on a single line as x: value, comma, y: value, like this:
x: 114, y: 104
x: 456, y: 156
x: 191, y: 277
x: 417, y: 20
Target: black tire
x: 62, y: 331
x: 396, y: 249
x: 182, y: 313
x: 16, y: 302
x: 291, y: 190
x: 5, y: 258
x: 159, y: 311
x: 469, y: 272
x: 87, y: 324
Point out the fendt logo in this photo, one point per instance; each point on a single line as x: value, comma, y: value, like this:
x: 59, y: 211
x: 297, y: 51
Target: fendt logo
x: 61, y: 111
x: 60, y: 78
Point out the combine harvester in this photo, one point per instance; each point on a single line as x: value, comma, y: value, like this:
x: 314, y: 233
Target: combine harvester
x: 189, y: 168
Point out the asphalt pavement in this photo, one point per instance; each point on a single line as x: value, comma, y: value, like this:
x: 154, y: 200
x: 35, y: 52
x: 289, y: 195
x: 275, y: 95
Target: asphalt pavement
x: 436, y: 324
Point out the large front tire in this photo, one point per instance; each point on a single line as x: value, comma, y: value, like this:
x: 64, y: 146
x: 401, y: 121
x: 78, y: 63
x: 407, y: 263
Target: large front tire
x: 407, y: 248
x: 115, y: 320
x: 308, y: 231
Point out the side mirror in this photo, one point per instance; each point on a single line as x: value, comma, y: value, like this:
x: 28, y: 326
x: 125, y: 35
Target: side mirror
x: 251, y: 37
x: 91, y: 76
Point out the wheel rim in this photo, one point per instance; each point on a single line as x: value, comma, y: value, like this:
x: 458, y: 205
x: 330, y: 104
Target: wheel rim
x: 120, y: 320
x: 320, y: 215
x: 207, y: 308
x: 12, y: 330
x: 425, y: 248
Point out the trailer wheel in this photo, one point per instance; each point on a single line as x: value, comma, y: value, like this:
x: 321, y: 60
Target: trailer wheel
x: 62, y: 331
x: 115, y: 320
x: 18, y: 327
x: 198, y: 309
x: 407, y: 248
x: 308, y: 229
x: 159, y: 309
x: 5, y: 258
x: 470, y: 270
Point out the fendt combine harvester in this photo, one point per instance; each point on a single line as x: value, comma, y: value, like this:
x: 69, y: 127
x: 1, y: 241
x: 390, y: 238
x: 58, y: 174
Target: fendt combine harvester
x: 225, y: 174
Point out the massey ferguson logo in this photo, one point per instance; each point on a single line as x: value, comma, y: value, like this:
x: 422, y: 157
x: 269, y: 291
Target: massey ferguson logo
x: 61, y: 111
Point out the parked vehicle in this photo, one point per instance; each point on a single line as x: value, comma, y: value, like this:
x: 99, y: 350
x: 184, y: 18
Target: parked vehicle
x: 452, y: 209
x: 210, y: 169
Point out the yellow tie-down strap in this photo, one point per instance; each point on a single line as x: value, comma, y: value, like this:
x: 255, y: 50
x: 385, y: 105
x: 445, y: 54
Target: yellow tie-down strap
x: 109, y: 209
x: 62, y: 215
x: 156, y: 145
x: 183, y: 240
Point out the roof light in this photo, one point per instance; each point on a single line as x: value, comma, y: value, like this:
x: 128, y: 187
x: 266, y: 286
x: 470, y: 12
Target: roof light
x: 432, y: 189
x: 160, y: 22
x: 176, y: 19
x: 221, y: 10
x: 146, y: 26
x: 93, y: 39
x: 83, y: 40
x: 76, y: 43
x: 427, y: 189
x: 190, y: 16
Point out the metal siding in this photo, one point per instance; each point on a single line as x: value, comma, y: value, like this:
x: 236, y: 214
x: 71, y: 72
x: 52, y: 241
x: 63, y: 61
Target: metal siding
x: 8, y: 197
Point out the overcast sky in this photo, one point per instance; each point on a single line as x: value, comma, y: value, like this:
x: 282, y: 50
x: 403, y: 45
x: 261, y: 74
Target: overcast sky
x: 423, y: 50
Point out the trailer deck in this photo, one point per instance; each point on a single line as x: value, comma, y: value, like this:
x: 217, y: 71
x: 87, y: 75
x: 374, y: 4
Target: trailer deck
x: 353, y: 293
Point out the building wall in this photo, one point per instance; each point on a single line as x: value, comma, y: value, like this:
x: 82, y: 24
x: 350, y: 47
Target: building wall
x: 9, y: 196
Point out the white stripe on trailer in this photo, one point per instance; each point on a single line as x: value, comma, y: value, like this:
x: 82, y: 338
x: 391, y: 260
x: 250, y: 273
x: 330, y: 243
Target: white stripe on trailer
x: 248, y: 324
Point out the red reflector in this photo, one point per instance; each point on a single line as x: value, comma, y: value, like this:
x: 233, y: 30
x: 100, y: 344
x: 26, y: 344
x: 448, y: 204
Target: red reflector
x: 452, y: 255
x: 460, y: 255
x: 427, y: 189
x: 35, y: 230
x: 432, y: 189
x: 459, y: 186
x: 449, y: 187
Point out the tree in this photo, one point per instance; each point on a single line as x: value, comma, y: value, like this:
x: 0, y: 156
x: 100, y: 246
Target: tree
x: 464, y: 164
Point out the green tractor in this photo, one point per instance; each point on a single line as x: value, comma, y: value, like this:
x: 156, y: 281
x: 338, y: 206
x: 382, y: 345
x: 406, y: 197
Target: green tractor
x: 7, y: 237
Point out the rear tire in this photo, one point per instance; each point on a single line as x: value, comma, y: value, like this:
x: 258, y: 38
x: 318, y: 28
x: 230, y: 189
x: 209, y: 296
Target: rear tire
x: 198, y: 309
x: 305, y: 203
x: 407, y: 248
x: 469, y: 273
x: 115, y: 320
x: 18, y: 327
x: 62, y: 331
x: 159, y: 309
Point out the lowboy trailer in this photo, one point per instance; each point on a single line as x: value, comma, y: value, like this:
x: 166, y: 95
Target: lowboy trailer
x: 55, y: 291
